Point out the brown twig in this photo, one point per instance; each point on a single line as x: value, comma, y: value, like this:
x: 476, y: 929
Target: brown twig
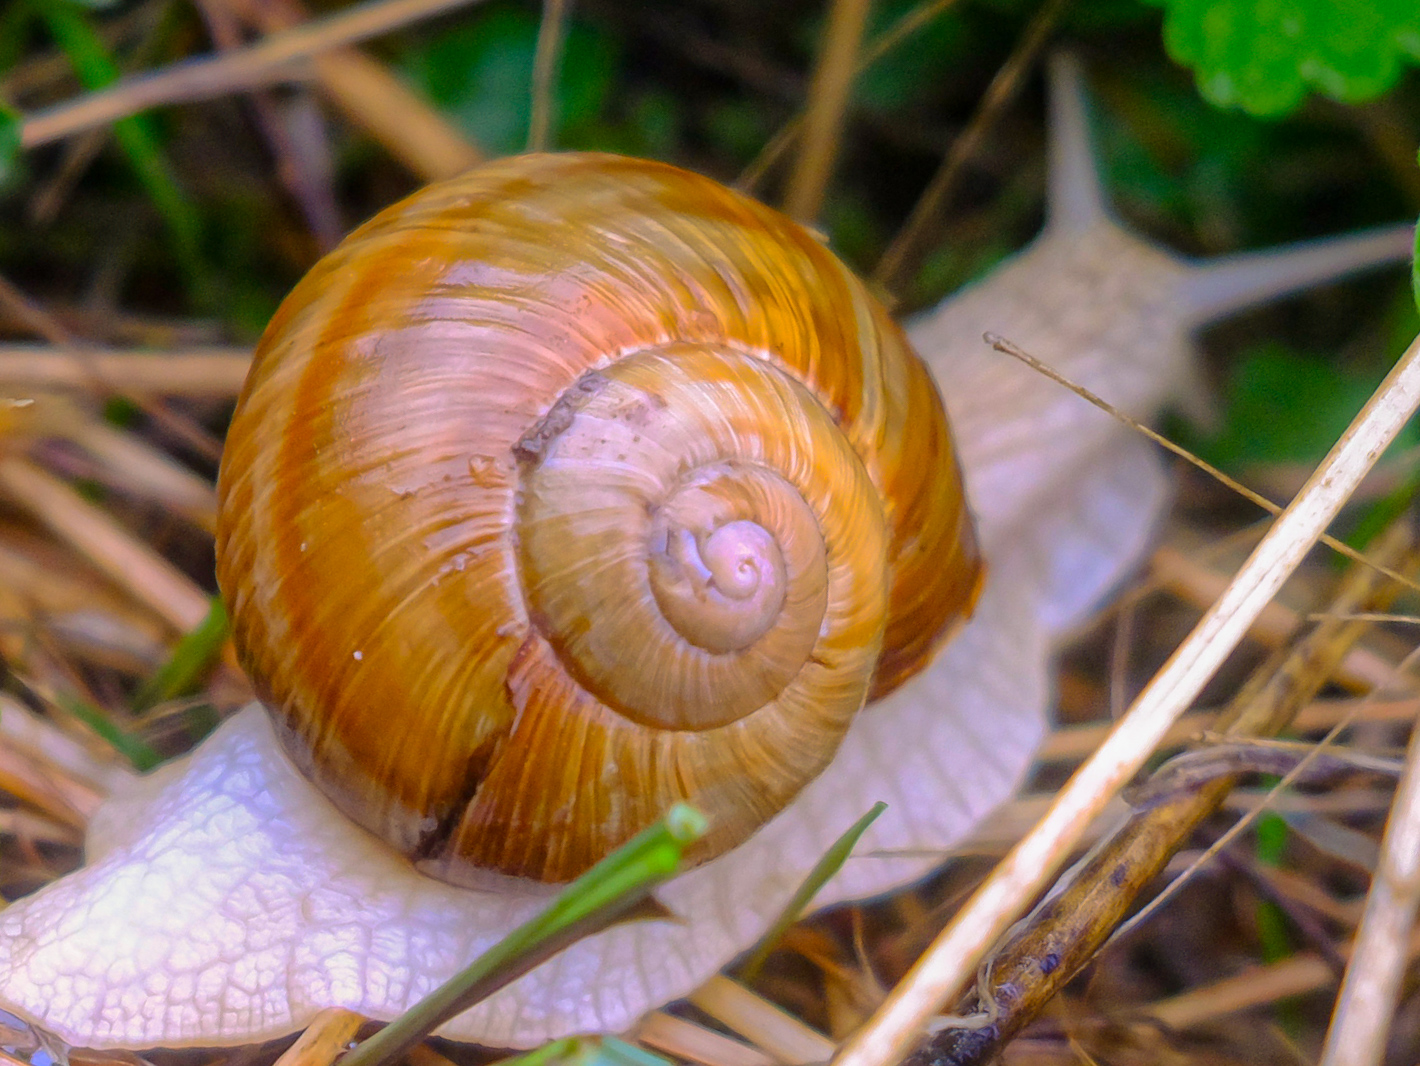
x: 943, y: 971
x: 323, y: 1041
x: 900, y: 260
x: 1064, y: 934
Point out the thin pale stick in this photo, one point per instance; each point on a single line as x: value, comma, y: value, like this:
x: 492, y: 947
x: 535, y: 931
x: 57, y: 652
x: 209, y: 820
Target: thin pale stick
x: 777, y: 1032
x: 1076, y: 742
x: 828, y: 101
x: 213, y: 373
x: 954, y: 956
x: 1001, y: 344
x: 281, y: 57
x: 328, y: 1035
x: 1086, y: 905
x: 1368, y: 994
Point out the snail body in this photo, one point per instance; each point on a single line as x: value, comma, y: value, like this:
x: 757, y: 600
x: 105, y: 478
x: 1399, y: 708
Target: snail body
x: 231, y: 863
x: 525, y: 540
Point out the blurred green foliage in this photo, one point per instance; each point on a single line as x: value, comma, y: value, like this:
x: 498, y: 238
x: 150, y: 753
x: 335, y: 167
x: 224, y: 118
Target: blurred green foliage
x: 479, y: 73
x: 1263, y: 55
x: 10, y: 120
x: 1281, y: 406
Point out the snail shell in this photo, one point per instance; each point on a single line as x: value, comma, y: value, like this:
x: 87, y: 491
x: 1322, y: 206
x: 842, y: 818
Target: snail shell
x: 574, y: 487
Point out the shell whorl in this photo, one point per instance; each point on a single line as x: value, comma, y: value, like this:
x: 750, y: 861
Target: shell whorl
x: 573, y: 487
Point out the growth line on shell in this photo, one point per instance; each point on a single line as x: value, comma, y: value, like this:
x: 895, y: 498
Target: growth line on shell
x: 1001, y: 344
x: 954, y: 956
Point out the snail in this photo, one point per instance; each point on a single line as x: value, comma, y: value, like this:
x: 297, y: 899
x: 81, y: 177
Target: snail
x: 227, y: 898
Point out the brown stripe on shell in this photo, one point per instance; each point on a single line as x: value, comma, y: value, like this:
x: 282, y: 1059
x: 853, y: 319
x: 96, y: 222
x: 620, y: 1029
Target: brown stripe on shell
x: 401, y: 374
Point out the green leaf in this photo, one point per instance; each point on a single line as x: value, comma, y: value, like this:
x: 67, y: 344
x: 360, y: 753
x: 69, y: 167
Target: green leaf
x: 1285, y: 407
x: 193, y: 658
x: 135, y: 749
x: 1415, y: 268
x: 480, y: 73
x: 10, y: 123
x: 1264, y: 55
x: 95, y: 67
x: 828, y: 864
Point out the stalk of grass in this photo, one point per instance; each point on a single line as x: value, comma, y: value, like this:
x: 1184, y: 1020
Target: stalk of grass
x: 588, y: 905
x: 831, y: 862
x: 191, y: 661
x: 96, y: 69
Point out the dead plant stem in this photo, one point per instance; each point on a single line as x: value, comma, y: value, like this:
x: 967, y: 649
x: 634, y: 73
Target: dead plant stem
x: 951, y: 961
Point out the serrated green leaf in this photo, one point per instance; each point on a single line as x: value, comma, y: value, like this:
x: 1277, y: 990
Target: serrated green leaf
x: 1264, y: 55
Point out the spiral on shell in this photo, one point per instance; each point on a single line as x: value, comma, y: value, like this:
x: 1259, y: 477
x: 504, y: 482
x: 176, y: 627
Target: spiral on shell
x: 574, y: 487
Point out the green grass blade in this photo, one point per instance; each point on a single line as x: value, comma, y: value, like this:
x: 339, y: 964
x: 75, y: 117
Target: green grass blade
x: 832, y: 860
x: 193, y: 658
x: 589, y: 904
x: 96, y: 69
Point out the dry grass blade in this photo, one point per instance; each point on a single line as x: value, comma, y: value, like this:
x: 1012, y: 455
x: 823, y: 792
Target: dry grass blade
x: 213, y: 373
x: 147, y: 576
x: 1256, y: 987
x: 782, y: 1035
x: 395, y: 115
x: 1372, y: 984
x: 1070, y: 927
x: 686, y: 1040
x: 790, y: 132
x: 324, y: 1039
x: 277, y: 58
x: 1006, y: 347
x: 898, y: 263
x: 1076, y: 742
x: 1193, y: 582
x: 947, y: 966
x: 828, y: 101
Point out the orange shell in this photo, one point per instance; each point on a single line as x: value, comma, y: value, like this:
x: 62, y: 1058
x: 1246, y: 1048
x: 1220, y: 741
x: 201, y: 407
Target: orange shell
x: 498, y: 459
